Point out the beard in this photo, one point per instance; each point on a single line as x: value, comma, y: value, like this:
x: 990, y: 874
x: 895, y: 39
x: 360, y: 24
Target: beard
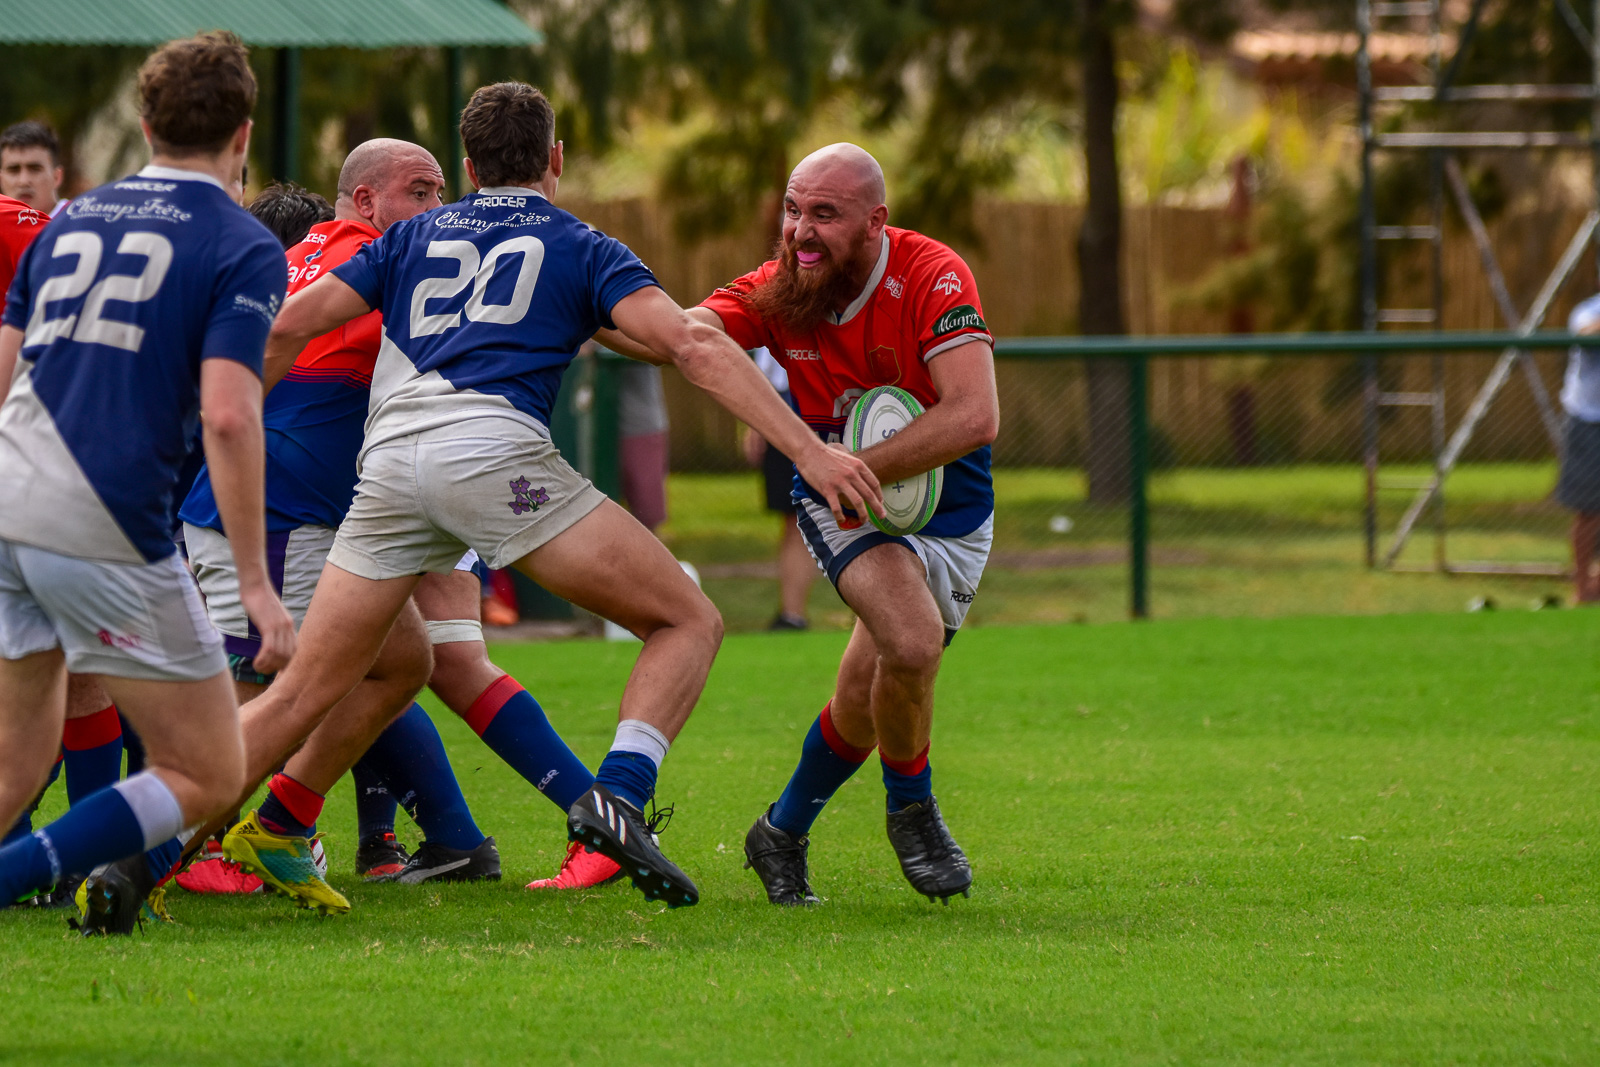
x: 801, y: 300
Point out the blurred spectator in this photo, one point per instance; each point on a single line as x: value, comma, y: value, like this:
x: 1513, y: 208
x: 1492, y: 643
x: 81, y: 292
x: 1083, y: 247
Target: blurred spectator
x: 642, y: 425
x: 1579, y: 486
x: 796, y: 569
x: 30, y: 166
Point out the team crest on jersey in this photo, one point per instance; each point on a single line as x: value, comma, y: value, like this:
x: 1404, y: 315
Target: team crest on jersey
x: 29, y: 217
x: 884, y: 366
x: 948, y: 284
x: 526, y: 498
x: 896, y: 286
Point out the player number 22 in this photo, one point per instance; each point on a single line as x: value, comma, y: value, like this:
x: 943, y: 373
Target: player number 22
x: 91, y: 325
x: 478, y: 271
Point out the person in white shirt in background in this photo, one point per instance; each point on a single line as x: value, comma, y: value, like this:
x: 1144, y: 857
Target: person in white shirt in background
x: 1579, y: 487
x: 796, y: 569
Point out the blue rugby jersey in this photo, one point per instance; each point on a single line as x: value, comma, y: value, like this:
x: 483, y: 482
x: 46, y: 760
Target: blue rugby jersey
x: 314, y: 417
x: 485, y: 302
x: 120, y: 299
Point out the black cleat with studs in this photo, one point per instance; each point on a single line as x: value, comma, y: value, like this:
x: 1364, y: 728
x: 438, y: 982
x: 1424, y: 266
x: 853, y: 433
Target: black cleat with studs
x: 114, y: 895
x: 617, y: 830
x: 929, y: 857
x: 779, y: 860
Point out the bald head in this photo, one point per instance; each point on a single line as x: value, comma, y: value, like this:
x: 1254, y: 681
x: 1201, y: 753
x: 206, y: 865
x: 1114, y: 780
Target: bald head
x: 842, y: 171
x: 384, y: 181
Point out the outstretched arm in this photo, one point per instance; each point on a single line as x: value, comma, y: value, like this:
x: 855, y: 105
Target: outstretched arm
x: 967, y: 416
x: 709, y: 358
x: 326, y: 304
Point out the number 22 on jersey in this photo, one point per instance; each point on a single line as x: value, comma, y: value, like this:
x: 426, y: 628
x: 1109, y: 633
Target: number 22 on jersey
x: 92, y: 325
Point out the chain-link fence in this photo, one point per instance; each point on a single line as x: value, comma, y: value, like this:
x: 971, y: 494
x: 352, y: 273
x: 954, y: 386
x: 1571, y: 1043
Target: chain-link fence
x: 1256, y: 488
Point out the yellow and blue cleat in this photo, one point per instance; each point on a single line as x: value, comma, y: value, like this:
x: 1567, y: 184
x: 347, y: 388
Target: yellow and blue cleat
x: 284, y: 863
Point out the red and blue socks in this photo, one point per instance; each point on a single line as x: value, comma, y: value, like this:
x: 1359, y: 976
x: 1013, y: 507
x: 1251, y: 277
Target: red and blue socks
x: 92, y: 752
x: 408, y: 760
x: 514, y: 726
x: 291, y: 808
x: 131, y: 816
x: 826, y: 762
x: 909, y: 781
x: 630, y: 768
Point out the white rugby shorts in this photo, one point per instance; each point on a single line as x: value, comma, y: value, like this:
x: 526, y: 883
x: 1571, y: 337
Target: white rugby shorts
x: 953, y: 566
x: 495, y: 485
x: 295, y: 559
x: 126, y: 620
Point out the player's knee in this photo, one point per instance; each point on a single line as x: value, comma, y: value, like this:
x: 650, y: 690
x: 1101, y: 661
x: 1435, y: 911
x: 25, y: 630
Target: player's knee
x: 912, y: 652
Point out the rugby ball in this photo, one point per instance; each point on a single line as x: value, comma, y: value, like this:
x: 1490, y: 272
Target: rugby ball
x: 878, y: 415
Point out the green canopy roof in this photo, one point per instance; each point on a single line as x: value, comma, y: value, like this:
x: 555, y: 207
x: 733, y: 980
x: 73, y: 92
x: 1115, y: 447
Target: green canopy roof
x: 273, y: 23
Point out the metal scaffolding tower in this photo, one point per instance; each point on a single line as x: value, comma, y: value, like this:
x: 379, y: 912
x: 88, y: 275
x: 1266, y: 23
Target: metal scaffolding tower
x: 1445, y: 178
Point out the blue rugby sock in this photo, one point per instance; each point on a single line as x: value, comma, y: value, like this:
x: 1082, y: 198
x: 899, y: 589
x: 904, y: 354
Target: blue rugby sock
x: 908, y: 782
x: 513, y: 724
x: 92, y: 752
x: 375, y: 805
x: 410, y: 759
x: 826, y: 762
x: 629, y: 769
x: 102, y: 828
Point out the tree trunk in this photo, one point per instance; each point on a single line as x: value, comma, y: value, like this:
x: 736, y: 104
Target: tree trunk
x: 1100, y: 262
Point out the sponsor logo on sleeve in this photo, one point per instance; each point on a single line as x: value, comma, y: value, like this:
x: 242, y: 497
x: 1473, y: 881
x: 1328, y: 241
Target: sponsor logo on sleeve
x: 267, y: 310
x: 948, y: 284
x: 955, y: 320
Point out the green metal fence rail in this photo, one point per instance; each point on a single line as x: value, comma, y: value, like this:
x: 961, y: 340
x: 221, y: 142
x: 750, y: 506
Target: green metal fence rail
x: 1138, y: 350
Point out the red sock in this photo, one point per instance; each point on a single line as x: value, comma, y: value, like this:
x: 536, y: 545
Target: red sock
x: 291, y: 809
x: 490, y: 701
x: 91, y: 731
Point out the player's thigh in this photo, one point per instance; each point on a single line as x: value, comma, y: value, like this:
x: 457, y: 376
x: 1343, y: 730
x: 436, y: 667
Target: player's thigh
x: 85, y: 696
x: 886, y: 586
x: 347, y: 624
x: 608, y: 563
x: 191, y: 727
x: 32, y: 702
x: 406, y: 655
x: 449, y: 595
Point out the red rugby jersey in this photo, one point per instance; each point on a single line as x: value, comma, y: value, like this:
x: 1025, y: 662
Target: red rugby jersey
x: 919, y: 301
x: 19, y: 225
x: 352, y: 349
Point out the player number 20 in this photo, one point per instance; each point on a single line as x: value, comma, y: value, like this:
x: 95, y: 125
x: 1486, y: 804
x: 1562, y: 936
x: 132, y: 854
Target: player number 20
x: 91, y: 325
x: 478, y: 271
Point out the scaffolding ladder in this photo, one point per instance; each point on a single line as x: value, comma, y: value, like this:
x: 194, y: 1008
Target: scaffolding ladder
x: 1445, y: 176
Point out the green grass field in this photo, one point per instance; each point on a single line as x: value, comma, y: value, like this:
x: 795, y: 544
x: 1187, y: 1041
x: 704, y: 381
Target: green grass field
x: 1262, y: 542
x: 1312, y: 841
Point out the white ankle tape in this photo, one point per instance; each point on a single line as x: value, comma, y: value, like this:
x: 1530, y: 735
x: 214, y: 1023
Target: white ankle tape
x: 450, y: 631
x: 634, y: 735
x: 153, y: 805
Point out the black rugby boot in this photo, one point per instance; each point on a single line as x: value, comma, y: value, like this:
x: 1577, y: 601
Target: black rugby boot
x: 929, y: 857
x: 779, y: 860
x: 439, y: 863
x: 618, y: 831
x: 114, y: 896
